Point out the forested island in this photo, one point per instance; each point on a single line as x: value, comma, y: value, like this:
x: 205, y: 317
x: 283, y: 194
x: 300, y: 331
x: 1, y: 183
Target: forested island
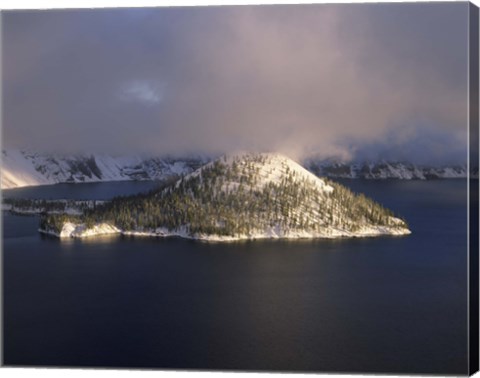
x: 243, y: 196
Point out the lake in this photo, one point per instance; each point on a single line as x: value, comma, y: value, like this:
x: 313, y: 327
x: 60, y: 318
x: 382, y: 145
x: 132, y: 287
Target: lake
x: 378, y: 305
x: 87, y: 191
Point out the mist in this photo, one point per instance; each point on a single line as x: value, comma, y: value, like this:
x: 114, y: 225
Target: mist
x: 344, y: 80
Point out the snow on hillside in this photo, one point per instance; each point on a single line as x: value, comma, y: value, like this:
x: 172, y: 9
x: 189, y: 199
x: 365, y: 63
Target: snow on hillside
x: 246, y: 196
x: 23, y: 168
x: 18, y: 170
x: 267, y: 167
x: 385, y: 170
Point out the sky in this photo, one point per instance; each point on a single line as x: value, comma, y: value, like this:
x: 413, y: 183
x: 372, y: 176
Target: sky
x: 352, y: 81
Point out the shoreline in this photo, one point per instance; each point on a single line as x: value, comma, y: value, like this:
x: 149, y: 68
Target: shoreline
x: 106, y: 229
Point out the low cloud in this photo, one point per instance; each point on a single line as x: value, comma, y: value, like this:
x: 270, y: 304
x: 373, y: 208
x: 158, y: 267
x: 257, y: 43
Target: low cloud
x: 300, y: 79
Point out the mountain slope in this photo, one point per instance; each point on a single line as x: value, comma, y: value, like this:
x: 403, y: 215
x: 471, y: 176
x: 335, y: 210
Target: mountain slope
x: 22, y: 168
x: 386, y: 170
x: 245, y: 196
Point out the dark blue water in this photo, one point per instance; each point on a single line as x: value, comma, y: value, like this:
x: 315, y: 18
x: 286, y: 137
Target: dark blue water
x: 389, y: 304
x: 94, y: 191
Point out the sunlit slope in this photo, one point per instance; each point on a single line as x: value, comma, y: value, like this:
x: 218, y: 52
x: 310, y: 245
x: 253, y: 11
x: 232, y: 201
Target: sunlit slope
x: 247, y: 196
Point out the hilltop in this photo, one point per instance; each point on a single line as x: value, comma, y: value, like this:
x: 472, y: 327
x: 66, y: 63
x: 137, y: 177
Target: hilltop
x: 241, y: 196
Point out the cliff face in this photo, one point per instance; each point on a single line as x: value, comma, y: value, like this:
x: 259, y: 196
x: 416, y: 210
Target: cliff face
x: 21, y: 168
x: 387, y: 170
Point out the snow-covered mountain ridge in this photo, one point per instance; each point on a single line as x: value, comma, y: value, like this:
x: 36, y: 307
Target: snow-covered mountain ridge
x: 386, y: 170
x: 246, y: 196
x: 23, y: 168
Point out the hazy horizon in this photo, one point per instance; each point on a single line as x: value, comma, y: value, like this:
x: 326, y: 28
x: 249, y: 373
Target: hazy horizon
x: 359, y: 81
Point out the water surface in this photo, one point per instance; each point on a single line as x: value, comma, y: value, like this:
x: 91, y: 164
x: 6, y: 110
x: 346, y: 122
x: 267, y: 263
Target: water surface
x: 387, y: 304
x: 87, y: 191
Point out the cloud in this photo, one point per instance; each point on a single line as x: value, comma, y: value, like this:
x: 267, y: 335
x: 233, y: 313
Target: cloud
x: 306, y: 79
x: 141, y: 91
x: 423, y: 143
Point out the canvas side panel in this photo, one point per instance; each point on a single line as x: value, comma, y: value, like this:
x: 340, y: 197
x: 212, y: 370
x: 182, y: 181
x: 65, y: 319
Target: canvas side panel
x: 474, y: 190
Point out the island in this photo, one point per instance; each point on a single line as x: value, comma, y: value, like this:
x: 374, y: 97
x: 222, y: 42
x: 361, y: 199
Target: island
x: 242, y: 196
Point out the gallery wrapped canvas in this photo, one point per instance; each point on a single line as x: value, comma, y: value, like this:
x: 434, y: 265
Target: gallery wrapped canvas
x: 272, y: 188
